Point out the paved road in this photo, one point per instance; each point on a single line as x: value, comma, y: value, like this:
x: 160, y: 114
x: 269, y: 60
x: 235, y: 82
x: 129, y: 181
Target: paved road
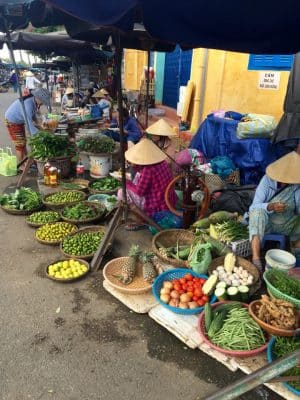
x: 76, y: 342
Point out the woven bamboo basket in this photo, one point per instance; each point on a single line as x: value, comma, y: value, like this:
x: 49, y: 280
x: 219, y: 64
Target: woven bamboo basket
x: 170, y: 238
x: 114, y: 268
x: 58, y: 206
x: 68, y: 280
x: 12, y: 211
x: 54, y: 242
x: 100, y: 211
x: 245, y: 264
x: 93, y: 228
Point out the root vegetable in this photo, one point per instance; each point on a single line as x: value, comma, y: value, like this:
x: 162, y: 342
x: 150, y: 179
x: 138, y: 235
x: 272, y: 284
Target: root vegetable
x: 168, y: 285
x: 193, y: 304
x: 174, y: 303
x: 165, y: 291
x: 165, y: 298
x: 185, y: 298
x: 183, y: 305
x: 174, y: 294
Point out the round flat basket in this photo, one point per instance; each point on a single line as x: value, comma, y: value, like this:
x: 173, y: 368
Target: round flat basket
x: 232, y: 353
x: 278, y: 294
x: 54, y: 242
x: 68, y: 280
x: 20, y: 212
x: 100, y: 211
x: 170, y: 238
x: 272, y: 330
x: 37, y: 225
x: 113, y: 269
x: 169, y: 276
x: 246, y: 265
x: 96, y: 191
x: 93, y: 228
x: 58, y: 206
x: 271, y: 357
x: 75, y: 184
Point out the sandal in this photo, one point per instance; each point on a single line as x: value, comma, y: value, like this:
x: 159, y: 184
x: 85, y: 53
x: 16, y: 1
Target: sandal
x: 132, y: 226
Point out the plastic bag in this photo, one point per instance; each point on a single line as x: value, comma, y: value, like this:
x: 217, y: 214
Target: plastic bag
x: 8, y: 162
x: 166, y: 220
x: 200, y: 258
x: 256, y: 126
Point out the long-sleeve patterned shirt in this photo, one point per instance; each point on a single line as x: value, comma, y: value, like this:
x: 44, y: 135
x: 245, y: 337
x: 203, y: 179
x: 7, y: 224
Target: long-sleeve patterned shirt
x: 152, y: 185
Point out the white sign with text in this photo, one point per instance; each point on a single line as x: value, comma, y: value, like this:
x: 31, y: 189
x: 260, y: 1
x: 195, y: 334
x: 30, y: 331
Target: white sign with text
x: 269, y: 80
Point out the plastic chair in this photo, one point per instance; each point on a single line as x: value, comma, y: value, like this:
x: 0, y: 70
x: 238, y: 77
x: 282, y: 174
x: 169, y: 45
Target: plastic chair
x: 274, y: 237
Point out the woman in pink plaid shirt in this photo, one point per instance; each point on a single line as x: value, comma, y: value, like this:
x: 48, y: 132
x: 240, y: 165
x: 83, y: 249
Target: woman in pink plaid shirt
x: 147, y: 190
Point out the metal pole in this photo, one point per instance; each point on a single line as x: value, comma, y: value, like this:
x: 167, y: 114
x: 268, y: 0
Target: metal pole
x: 264, y: 374
x: 11, y: 51
x: 119, y: 53
x: 147, y: 86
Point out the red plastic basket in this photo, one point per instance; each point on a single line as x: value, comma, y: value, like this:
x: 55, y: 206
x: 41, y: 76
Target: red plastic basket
x: 232, y: 353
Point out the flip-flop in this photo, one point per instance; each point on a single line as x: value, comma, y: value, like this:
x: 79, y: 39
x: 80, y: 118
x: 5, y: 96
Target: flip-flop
x: 135, y: 227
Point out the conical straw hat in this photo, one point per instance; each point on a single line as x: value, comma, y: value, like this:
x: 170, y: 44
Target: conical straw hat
x: 69, y: 90
x: 99, y: 93
x: 286, y: 169
x: 161, y: 128
x: 103, y: 91
x: 145, y: 153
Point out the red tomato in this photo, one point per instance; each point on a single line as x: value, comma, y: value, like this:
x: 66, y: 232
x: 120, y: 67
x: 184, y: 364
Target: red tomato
x: 202, y: 280
x: 190, y: 293
x: 190, y: 286
x: 188, y: 277
x: 195, y: 298
x: 200, y: 303
x: 177, y: 287
x: 198, y: 292
x: 175, y: 281
x: 184, y: 286
x: 182, y: 280
x: 181, y: 291
x: 205, y: 298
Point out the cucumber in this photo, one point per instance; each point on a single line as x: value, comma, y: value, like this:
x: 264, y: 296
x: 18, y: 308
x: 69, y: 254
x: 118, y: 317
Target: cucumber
x: 221, y: 216
x: 218, y: 248
x: 244, y: 293
x: 221, y: 285
x: 207, y: 316
x: 221, y: 294
x: 217, y: 324
x: 228, y: 306
x: 233, y: 293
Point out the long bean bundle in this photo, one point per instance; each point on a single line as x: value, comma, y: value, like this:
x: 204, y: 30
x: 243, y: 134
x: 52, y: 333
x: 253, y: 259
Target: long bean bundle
x: 239, y: 332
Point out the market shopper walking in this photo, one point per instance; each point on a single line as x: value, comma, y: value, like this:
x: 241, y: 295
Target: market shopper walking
x: 13, y: 80
x: 15, y: 119
x: 276, y: 205
x: 31, y: 81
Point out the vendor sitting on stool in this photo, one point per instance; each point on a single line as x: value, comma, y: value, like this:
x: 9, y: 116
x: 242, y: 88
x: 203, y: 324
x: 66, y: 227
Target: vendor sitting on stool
x: 102, y: 97
x: 153, y: 174
x: 276, y: 205
x: 67, y: 99
x: 161, y: 133
x: 131, y: 130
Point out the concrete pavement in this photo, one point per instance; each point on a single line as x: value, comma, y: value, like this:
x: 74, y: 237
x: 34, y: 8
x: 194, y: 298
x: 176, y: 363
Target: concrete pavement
x: 75, y: 341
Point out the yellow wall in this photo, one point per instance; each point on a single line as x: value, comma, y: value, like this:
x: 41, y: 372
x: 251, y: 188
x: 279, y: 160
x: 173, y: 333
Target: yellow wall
x: 230, y: 86
x: 134, y: 63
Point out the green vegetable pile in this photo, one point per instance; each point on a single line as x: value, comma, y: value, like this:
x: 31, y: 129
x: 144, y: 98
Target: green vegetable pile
x: 284, y: 283
x: 45, y: 145
x: 105, y: 184
x: 43, y: 217
x: 65, y: 197
x: 283, y: 346
x: 231, y: 327
x: 72, y: 186
x: 82, y: 244
x: 54, y: 232
x: 80, y: 211
x: 96, y: 145
x: 230, y: 231
x: 22, y: 199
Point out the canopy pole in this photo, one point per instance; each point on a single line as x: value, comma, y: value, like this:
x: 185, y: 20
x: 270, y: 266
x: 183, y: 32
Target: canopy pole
x: 119, y: 54
x: 147, y: 86
x: 12, y: 56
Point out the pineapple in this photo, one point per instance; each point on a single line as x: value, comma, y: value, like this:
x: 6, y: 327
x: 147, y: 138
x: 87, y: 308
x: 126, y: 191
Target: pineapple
x: 129, y: 268
x: 149, y: 271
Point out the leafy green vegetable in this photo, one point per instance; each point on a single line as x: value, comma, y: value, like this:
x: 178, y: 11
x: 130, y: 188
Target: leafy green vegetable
x: 102, y: 144
x: 45, y: 145
x: 105, y: 184
x: 22, y: 199
x: 283, y: 346
x: 80, y: 211
x: 284, y: 283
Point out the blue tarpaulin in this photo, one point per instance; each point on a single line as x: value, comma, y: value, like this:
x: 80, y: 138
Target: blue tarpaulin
x: 217, y: 137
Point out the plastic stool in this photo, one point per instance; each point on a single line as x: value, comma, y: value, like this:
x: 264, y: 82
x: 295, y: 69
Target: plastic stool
x: 274, y: 237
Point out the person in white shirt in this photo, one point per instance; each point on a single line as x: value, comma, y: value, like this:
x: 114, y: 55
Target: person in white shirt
x: 31, y: 81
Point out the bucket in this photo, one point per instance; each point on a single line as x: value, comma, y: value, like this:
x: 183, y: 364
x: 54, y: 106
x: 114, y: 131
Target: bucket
x: 100, y: 165
x: 280, y: 259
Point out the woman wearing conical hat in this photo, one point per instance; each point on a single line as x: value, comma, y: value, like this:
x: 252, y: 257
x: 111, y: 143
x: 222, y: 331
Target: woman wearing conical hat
x: 276, y: 205
x: 154, y: 174
x: 161, y: 133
